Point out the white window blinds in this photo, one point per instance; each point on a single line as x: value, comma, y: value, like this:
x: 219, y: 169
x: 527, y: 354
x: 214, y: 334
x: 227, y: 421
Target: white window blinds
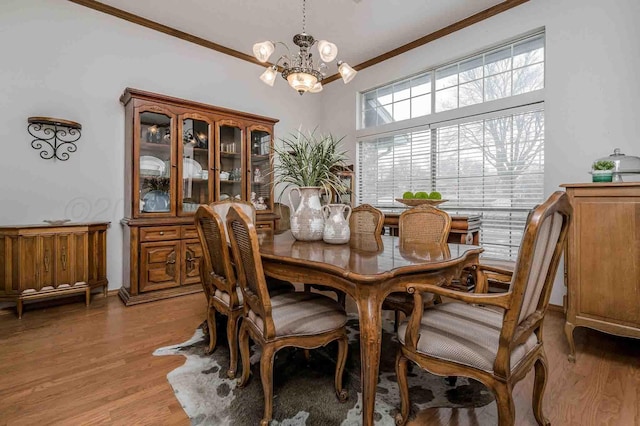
x: 479, y: 142
x: 492, y: 166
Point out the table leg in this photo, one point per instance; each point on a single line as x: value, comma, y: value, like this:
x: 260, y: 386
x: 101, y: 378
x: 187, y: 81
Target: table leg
x: 369, y: 312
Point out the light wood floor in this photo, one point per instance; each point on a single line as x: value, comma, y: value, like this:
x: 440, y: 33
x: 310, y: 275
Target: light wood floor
x: 72, y: 365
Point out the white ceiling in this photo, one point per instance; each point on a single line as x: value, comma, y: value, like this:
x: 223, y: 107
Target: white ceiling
x: 362, y: 29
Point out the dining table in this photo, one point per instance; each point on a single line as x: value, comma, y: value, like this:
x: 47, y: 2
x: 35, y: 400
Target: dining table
x: 368, y: 268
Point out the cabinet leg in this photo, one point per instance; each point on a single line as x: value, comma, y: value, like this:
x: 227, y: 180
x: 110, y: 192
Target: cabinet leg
x: 105, y: 289
x: 568, y: 331
x: 19, y: 308
x: 87, y: 296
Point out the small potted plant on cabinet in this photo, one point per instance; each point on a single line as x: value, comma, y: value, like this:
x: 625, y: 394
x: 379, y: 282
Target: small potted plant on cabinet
x: 602, y: 171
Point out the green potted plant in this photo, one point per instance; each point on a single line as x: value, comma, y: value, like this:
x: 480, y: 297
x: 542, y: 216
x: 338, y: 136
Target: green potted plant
x: 602, y: 171
x: 309, y: 163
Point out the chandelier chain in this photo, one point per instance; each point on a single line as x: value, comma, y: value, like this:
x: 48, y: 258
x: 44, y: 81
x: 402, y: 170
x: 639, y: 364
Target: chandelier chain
x: 304, y: 16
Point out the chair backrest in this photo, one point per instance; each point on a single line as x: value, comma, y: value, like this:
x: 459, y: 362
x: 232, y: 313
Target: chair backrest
x: 217, y: 271
x: 246, y: 254
x: 425, y: 224
x: 282, y: 210
x: 538, y: 259
x: 222, y: 208
x: 366, y: 219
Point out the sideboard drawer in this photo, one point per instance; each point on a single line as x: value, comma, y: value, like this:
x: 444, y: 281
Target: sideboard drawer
x: 159, y: 233
x: 189, y: 232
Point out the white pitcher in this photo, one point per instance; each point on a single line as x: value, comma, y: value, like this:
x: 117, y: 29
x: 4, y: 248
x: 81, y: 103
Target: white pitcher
x: 307, y: 219
x: 336, y: 225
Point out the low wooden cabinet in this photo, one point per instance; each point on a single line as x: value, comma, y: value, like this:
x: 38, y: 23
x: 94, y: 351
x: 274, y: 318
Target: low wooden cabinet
x: 163, y: 259
x: 603, y: 259
x: 44, y: 261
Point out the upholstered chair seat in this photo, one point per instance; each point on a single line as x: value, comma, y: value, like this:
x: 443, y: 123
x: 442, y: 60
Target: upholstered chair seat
x: 465, y: 334
x: 302, y: 314
x: 224, y: 297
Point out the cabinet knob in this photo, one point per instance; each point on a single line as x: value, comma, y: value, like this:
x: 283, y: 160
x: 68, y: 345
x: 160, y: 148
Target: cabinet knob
x: 161, y: 232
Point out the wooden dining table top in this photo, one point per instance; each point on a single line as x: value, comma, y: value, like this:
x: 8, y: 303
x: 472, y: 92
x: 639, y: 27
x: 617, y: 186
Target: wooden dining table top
x: 365, y: 257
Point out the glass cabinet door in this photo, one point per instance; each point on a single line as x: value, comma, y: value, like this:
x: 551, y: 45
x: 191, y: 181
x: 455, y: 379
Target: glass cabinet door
x: 195, y: 163
x: 155, y: 171
x: 261, y: 178
x: 232, y: 178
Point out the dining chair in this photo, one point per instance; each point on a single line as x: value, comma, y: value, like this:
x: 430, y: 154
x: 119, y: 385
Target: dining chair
x: 498, y: 347
x: 284, y: 223
x: 218, y: 275
x: 219, y: 281
x: 421, y: 224
x: 365, y: 220
x: 495, y: 273
x: 293, y: 319
x: 222, y: 208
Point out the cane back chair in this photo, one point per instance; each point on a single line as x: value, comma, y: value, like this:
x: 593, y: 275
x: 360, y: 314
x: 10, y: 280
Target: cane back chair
x: 219, y: 281
x: 419, y: 224
x: 293, y: 319
x: 365, y: 220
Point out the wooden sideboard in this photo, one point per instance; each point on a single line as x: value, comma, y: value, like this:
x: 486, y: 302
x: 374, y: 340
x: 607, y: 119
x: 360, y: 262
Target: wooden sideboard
x: 48, y: 261
x: 603, y: 259
x: 464, y: 229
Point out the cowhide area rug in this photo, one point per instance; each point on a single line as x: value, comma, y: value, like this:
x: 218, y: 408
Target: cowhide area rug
x: 303, y: 391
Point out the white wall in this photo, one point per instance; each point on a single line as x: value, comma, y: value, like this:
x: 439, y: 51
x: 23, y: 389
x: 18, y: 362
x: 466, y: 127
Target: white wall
x: 66, y: 61
x: 592, y: 95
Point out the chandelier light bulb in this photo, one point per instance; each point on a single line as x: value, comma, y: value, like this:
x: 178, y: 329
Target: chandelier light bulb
x: 316, y: 88
x: 301, y: 81
x: 328, y: 51
x: 269, y: 76
x: 263, y: 50
x: 346, y: 72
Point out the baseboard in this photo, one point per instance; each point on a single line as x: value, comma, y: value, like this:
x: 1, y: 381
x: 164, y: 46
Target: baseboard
x: 556, y: 308
x: 114, y: 292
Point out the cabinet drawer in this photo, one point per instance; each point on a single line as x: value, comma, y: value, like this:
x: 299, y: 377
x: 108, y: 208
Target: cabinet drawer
x: 264, y: 225
x: 160, y: 233
x: 189, y: 232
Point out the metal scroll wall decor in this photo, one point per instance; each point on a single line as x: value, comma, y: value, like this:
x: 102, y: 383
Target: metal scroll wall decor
x: 54, y: 138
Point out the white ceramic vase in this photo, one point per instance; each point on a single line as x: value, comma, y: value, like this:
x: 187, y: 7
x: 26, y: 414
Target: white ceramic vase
x: 336, y: 224
x: 307, y: 220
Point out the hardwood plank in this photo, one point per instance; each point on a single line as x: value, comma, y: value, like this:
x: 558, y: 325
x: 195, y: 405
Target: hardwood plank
x: 70, y: 364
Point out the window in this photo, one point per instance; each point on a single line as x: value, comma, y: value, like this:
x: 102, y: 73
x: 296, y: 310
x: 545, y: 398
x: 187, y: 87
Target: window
x: 480, y: 142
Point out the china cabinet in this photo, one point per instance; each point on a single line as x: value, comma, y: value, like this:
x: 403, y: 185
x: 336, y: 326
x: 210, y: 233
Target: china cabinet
x: 603, y: 259
x: 48, y: 261
x: 180, y: 154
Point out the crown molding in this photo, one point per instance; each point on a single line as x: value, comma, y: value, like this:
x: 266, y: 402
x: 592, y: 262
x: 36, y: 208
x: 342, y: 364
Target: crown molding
x: 139, y: 20
x: 457, y: 26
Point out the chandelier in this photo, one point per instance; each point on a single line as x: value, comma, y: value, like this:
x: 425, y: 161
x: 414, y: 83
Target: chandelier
x: 298, y: 69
